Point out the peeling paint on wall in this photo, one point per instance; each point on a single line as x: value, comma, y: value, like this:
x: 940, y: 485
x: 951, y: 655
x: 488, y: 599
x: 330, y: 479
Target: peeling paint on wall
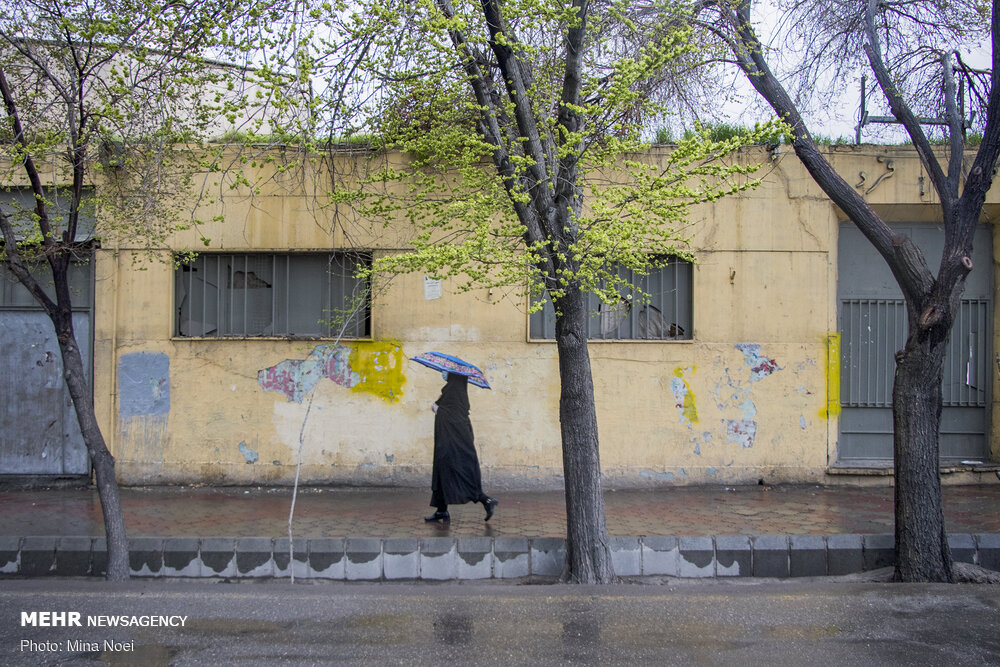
x: 735, y: 395
x: 741, y: 431
x: 684, y: 397
x: 705, y: 439
x: 375, y: 368
x: 295, y: 378
x: 760, y: 367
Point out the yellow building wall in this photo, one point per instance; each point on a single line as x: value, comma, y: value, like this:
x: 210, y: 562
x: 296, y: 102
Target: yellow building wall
x: 748, y: 399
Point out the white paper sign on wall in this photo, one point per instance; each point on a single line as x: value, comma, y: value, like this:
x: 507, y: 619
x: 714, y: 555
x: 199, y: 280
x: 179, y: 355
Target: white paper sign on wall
x: 432, y: 288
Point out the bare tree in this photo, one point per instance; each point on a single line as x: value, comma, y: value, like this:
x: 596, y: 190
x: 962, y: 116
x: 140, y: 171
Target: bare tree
x: 898, y: 39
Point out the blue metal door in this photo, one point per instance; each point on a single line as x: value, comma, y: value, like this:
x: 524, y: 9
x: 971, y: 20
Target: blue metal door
x: 39, y: 433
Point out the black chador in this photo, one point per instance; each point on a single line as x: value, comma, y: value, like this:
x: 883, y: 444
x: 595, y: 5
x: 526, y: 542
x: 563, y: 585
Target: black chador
x: 456, y: 478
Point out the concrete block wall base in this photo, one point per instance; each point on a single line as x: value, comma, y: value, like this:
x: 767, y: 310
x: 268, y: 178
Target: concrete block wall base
x: 467, y: 558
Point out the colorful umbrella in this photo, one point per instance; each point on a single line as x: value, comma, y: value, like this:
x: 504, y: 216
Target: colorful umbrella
x: 449, y: 364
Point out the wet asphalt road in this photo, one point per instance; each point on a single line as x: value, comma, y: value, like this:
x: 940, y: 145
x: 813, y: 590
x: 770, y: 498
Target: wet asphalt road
x: 684, y: 623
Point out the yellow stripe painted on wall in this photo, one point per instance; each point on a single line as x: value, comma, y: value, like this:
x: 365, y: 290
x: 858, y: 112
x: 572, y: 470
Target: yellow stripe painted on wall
x: 832, y: 376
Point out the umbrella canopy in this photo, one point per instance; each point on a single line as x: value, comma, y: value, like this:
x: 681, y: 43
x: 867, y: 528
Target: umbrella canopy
x: 449, y: 364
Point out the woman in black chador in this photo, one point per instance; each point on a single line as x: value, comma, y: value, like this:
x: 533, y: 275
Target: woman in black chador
x: 456, y: 478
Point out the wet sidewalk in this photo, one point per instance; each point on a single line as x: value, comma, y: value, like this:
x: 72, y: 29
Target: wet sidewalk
x: 397, y: 513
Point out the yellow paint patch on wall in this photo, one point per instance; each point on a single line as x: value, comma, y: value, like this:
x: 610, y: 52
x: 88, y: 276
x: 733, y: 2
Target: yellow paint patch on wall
x: 380, y: 367
x: 832, y: 408
x: 686, y: 405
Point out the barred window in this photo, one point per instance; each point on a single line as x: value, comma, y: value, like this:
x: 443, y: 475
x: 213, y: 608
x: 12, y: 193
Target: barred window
x: 288, y: 295
x: 666, y: 316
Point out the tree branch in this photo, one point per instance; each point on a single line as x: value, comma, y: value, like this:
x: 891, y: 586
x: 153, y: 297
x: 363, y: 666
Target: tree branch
x: 905, y: 116
x: 568, y: 120
x: 956, y: 132
x: 517, y: 83
x: 29, y: 164
x: 490, y: 128
x: 15, y: 263
x: 19, y: 45
x: 980, y: 176
x: 900, y: 253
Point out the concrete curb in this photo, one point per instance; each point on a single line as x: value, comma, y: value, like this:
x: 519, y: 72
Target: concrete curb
x: 466, y: 558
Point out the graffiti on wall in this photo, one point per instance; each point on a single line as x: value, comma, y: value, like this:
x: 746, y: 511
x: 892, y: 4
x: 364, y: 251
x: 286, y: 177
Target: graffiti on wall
x: 374, y: 368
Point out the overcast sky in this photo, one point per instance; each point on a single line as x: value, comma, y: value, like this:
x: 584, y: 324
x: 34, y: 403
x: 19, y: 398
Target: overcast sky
x: 841, y: 118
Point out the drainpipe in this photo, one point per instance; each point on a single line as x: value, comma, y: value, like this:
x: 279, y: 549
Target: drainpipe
x: 113, y: 436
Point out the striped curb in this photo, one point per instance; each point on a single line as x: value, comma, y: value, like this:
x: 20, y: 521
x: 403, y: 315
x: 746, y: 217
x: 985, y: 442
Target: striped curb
x: 468, y: 558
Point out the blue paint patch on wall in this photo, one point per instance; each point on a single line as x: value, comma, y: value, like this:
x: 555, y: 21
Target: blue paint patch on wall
x: 249, y: 454
x: 143, y: 384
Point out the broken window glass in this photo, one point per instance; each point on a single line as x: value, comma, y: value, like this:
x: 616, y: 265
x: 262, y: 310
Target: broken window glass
x: 289, y: 295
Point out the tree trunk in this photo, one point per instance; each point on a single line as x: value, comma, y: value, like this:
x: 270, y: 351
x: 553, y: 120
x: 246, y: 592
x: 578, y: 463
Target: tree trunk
x: 922, y: 552
x: 587, y: 549
x: 83, y: 404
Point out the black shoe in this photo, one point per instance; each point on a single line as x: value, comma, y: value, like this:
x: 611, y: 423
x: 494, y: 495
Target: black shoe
x: 442, y: 517
x: 490, y: 504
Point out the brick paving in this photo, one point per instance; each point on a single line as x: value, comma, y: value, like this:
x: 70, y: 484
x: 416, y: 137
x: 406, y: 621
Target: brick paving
x: 323, y: 512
